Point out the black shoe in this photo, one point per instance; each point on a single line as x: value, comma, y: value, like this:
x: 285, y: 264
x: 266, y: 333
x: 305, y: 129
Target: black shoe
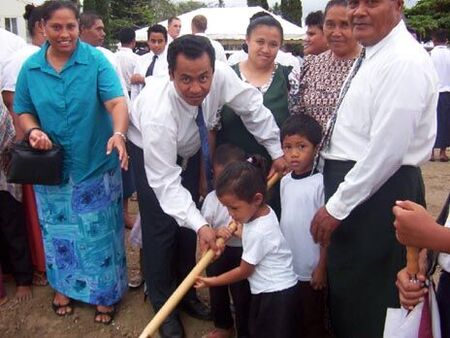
x: 172, y: 328
x: 195, y: 308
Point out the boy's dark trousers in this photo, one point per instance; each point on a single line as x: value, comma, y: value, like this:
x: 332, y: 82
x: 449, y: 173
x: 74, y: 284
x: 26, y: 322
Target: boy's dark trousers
x: 240, y: 293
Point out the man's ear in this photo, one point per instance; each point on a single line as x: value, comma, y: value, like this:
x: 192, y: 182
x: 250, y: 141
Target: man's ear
x: 258, y: 198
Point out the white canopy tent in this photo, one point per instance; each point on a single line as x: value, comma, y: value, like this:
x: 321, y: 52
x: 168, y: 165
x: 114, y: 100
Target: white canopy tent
x: 225, y: 24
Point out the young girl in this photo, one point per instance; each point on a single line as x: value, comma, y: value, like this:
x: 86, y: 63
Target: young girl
x: 266, y: 259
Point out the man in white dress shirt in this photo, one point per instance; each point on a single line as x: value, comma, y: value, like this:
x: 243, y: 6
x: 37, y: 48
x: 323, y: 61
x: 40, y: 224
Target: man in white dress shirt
x: 165, y: 133
x: 153, y: 63
x: 199, y: 24
x: 384, y: 131
x: 173, y: 28
x: 125, y: 56
x: 440, y: 55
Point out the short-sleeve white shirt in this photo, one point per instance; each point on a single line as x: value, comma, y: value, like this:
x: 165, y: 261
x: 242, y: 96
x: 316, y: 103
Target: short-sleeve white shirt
x: 265, y: 247
x: 300, y: 199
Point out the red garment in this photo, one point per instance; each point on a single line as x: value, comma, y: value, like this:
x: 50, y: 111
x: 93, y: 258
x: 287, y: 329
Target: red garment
x: 33, y: 228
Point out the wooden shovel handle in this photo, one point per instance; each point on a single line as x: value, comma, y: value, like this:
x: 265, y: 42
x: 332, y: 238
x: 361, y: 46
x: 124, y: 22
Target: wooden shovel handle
x: 412, y: 261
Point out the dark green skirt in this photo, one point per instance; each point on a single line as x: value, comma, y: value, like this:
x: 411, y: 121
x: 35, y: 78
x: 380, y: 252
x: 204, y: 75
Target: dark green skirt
x: 364, y: 255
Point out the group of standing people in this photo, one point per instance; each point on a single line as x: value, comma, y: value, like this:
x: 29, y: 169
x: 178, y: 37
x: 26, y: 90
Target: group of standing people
x: 183, y: 124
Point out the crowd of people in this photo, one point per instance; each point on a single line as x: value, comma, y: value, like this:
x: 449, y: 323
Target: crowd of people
x: 196, y: 136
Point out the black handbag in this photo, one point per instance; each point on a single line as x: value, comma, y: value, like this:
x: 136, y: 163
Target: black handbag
x: 33, y: 166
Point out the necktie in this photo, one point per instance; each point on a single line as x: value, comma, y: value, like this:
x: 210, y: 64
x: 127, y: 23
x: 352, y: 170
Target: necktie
x: 200, y: 121
x: 151, y: 66
x: 324, y: 144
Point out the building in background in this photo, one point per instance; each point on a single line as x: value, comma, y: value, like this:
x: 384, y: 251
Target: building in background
x: 11, y: 16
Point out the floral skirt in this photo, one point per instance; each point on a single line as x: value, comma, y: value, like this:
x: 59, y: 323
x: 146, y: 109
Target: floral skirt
x: 83, y: 235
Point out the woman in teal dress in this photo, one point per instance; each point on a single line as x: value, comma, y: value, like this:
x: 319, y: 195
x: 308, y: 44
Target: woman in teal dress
x: 63, y: 95
x: 276, y: 82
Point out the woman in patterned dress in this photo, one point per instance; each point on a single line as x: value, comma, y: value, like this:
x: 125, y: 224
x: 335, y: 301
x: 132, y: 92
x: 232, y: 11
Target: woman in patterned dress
x: 323, y: 75
x: 64, y: 93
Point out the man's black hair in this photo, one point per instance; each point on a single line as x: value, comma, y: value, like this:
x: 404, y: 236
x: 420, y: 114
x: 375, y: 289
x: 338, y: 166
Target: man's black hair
x: 157, y: 29
x: 127, y: 35
x: 192, y: 47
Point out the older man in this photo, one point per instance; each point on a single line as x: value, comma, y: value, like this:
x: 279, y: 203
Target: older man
x: 384, y: 127
x: 169, y: 127
x: 173, y: 28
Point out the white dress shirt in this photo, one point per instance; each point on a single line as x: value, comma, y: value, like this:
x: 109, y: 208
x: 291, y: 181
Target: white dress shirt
x: 218, y: 48
x: 163, y: 124
x: 387, y: 118
x: 441, y: 61
x: 127, y: 61
x: 12, y: 66
x: 161, y: 69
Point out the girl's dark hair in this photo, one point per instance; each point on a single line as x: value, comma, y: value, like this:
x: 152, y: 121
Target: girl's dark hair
x: 32, y: 15
x: 266, y: 20
x: 49, y: 7
x: 333, y: 3
x: 244, y: 179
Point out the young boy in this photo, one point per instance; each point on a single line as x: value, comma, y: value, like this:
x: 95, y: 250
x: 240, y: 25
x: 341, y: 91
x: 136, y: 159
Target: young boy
x: 301, y: 196
x: 217, y: 215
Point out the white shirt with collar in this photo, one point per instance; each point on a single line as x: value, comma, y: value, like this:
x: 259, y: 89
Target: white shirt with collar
x: 387, y: 118
x: 441, y: 60
x: 161, y: 69
x: 218, y: 48
x: 163, y: 124
x: 127, y: 61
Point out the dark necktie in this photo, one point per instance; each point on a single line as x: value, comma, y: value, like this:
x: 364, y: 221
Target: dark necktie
x: 205, y: 146
x: 151, y: 66
x: 325, y: 143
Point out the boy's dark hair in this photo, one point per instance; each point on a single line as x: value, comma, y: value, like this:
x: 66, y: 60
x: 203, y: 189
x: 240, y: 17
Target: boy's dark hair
x: 302, y: 125
x: 32, y: 15
x: 244, y: 179
x: 49, y: 7
x: 87, y: 19
x: 227, y: 153
x: 314, y: 19
x: 192, y: 47
x: 439, y: 35
x: 157, y: 29
x: 259, y: 14
x: 127, y: 35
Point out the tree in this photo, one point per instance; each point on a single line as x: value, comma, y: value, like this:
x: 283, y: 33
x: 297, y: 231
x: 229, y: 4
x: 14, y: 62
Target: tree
x: 221, y: 4
x: 130, y: 13
x: 262, y: 3
x: 291, y: 10
x: 276, y: 9
x: 428, y: 15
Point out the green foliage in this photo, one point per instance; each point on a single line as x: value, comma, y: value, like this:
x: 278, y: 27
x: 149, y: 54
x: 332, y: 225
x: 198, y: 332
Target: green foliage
x: 262, y: 3
x: 427, y: 15
x: 291, y: 10
x: 276, y: 9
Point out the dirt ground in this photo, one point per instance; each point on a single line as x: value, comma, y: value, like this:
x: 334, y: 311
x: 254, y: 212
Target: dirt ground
x: 36, y: 318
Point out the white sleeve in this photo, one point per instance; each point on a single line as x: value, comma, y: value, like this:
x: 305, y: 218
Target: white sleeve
x: 247, y: 102
x: 208, y: 209
x: 255, y: 247
x: 397, y: 110
x: 163, y: 173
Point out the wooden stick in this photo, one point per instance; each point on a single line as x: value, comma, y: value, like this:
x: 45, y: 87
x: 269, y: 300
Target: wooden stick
x: 190, y: 279
x: 412, y: 262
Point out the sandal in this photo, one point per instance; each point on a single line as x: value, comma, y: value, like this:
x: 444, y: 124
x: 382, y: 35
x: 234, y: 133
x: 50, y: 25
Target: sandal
x: 57, y: 307
x: 111, y: 313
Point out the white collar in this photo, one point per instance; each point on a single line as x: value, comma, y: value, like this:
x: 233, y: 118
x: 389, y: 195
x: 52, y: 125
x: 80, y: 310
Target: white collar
x: 372, y: 50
